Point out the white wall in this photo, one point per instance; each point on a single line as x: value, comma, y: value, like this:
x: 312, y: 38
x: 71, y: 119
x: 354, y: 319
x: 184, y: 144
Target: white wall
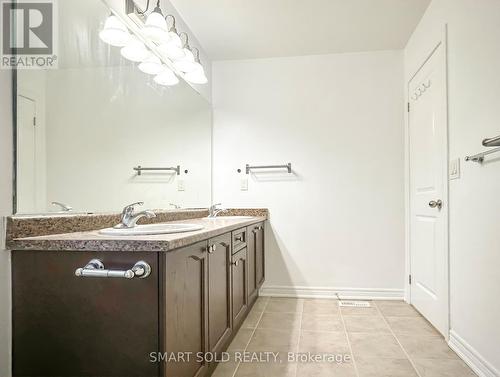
x: 5, y: 209
x: 473, y: 84
x: 337, y: 222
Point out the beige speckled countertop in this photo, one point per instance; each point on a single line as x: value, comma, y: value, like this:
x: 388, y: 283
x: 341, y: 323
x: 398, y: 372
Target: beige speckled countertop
x: 94, y: 241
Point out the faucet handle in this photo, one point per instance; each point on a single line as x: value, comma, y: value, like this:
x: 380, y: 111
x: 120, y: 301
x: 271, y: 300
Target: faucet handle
x: 130, y: 208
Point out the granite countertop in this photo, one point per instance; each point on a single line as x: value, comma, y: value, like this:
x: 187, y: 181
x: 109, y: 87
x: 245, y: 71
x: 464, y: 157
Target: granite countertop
x: 94, y: 241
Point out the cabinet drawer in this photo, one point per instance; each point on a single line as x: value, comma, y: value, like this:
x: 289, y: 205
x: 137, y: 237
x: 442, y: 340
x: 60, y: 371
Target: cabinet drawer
x: 239, y: 239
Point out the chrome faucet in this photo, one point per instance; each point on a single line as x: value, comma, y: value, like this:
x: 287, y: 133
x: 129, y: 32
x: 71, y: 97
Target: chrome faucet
x: 176, y: 206
x: 64, y: 207
x: 213, y: 211
x: 129, y: 218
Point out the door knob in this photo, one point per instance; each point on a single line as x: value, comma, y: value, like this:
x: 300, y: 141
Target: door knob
x: 436, y: 203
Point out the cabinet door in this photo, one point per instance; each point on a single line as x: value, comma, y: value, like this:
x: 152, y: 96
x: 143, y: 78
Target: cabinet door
x: 259, y: 255
x: 186, y: 309
x: 252, y: 276
x: 64, y: 325
x: 239, y: 269
x: 219, y: 291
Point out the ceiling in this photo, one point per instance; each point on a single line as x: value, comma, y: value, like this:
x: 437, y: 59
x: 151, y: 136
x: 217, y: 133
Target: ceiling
x: 247, y: 29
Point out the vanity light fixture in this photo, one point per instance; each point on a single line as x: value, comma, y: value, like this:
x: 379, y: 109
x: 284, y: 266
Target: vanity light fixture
x: 157, y: 47
x: 152, y: 65
x: 135, y: 50
x: 114, y: 32
x: 173, y: 47
x: 197, y: 76
x: 187, y: 63
x: 166, y: 77
x: 156, y: 27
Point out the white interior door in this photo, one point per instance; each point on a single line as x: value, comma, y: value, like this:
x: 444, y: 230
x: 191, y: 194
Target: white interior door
x: 26, y: 190
x: 428, y: 144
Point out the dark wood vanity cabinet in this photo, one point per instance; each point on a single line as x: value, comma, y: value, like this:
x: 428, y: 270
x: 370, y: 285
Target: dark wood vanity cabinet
x: 192, y: 304
x: 63, y: 325
x: 185, y: 317
x: 256, y: 261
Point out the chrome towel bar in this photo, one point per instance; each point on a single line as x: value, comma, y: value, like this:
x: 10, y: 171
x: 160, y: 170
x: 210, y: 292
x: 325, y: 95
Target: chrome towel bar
x: 288, y: 167
x: 139, y: 169
x: 480, y: 156
x: 95, y: 268
x: 492, y: 142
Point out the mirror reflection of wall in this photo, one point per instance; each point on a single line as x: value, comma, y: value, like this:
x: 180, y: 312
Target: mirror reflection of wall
x: 82, y: 128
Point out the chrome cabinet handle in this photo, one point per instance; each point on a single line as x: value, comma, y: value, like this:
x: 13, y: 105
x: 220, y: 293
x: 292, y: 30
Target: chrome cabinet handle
x: 238, y: 238
x: 236, y: 263
x: 436, y: 203
x: 211, y: 249
x: 95, y: 268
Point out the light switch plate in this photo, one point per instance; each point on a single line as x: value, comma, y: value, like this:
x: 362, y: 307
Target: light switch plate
x: 181, y: 185
x: 244, y: 184
x: 455, y: 168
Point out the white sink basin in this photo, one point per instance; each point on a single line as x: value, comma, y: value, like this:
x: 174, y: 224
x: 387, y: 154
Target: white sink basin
x: 151, y: 229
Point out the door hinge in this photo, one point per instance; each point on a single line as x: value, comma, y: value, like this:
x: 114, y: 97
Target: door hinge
x: 409, y: 279
x: 34, y: 121
x: 408, y: 106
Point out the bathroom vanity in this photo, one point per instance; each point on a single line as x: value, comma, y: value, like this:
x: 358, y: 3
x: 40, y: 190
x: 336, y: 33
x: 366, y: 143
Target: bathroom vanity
x: 199, y: 289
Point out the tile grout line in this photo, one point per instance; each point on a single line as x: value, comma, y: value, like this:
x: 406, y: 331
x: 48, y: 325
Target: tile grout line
x: 298, y: 337
x: 397, y: 340
x: 251, y: 336
x: 348, y: 341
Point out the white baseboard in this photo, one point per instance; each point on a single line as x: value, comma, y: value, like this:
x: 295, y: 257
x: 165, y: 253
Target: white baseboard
x: 471, y: 357
x: 329, y: 292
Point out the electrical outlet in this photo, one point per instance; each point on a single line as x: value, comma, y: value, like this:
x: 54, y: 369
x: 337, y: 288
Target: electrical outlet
x: 181, y: 185
x: 455, y: 168
x: 244, y: 184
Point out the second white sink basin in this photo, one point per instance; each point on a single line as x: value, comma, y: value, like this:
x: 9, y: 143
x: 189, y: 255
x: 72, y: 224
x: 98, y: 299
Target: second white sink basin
x: 151, y: 229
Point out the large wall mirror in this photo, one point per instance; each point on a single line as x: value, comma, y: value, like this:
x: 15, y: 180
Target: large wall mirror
x: 82, y: 128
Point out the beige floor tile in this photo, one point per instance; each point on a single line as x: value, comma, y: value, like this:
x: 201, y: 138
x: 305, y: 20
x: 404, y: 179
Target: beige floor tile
x: 380, y: 303
x: 324, y: 342
x: 251, y: 320
x: 284, y: 305
x: 398, y: 309
x: 240, y: 340
x: 426, y: 347
x: 280, y: 321
x: 385, y: 368
x: 375, y: 346
x: 411, y: 326
x: 323, y: 307
x: 318, y: 322
x: 266, y: 370
x: 260, y: 303
x: 325, y: 370
x: 442, y: 368
x: 274, y: 341
x: 225, y: 369
x: 366, y: 324
x: 371, y: 311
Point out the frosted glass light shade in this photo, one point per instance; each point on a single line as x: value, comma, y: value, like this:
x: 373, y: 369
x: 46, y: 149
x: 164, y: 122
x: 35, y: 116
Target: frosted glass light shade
x: 196, y: 76
x: 187, y: 63
x: 135, y: 50
x: 166, y: 78
x: 156, y: 27
x: 114, y: 32
x: 173, y: 48
x: 152, y: 65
